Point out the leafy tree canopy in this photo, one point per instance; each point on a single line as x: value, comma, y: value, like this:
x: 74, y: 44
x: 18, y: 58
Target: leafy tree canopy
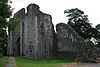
x: 98, y: 41
x: 97, y: 27
x: 80, y: 23
x: 5, y: 13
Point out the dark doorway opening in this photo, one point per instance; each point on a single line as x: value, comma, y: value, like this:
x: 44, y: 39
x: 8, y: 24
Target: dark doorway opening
x: 17, y: 47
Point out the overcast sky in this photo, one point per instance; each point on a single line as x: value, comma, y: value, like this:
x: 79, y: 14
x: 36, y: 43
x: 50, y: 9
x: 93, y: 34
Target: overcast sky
x: 56, y: 8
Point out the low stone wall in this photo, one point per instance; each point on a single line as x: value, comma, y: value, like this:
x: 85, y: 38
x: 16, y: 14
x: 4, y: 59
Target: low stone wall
x: 67, y: 54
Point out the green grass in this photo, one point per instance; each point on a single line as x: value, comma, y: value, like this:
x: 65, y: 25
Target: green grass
x: 3, y: 60
x: 25, y: 62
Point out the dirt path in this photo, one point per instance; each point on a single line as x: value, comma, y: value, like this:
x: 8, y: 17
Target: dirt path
x: 11, y: 62
x: 82, y: 65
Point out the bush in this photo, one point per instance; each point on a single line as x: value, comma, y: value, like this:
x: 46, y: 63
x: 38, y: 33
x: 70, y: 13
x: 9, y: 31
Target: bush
x: 3, y: 61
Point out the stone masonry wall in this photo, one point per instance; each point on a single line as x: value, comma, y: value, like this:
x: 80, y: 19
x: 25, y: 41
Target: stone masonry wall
x: 34, y: 36
x: 68, y: 41
x: 72, y: 45
x: 14, y: 35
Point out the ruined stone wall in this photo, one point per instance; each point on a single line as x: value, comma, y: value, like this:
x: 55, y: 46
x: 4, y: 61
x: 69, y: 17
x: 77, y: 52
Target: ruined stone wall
x: 72, y: 45
x: 68, y: 41
x: 35, y: 37
x: 35, y: 33
x: 15, y: 34
x: 39, y: 33
x: 30, y: 33
x: 45, y: 35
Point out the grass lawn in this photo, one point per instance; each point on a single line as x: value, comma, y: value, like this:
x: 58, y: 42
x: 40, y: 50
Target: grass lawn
x: 25, y: 62
x: 3, y: 61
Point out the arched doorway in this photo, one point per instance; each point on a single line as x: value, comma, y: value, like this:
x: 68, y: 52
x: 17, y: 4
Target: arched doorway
x: 17, y: 47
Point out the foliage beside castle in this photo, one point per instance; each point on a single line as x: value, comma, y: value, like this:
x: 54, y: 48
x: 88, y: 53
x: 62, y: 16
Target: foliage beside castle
x: 35, y: 36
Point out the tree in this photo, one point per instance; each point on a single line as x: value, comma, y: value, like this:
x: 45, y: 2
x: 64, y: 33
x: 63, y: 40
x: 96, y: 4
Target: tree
x: 98, y: 40
x: 5, y: 13
x: 13, y: 24
x: 97, y: 27
x: 80, y: 23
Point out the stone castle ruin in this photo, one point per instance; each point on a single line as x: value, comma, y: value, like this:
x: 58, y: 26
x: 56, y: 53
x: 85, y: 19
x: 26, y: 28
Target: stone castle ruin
x: 70, y: 44
x: 35, y: 36
x: 68, y: 41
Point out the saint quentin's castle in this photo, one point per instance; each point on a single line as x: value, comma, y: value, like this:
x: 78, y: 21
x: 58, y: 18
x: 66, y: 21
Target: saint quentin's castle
x: 35, y: 36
